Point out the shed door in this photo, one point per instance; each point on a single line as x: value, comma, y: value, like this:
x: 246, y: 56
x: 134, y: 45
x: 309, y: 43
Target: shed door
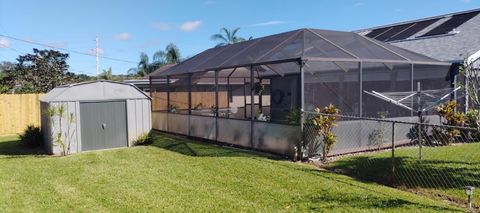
x: 103, y: 125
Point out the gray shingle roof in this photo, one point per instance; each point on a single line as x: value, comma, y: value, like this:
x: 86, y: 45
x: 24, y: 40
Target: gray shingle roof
x: 453, y: 46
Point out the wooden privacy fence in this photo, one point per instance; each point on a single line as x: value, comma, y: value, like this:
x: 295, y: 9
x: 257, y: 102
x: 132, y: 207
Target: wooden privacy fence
x: 17, y: 111
x: 201, y: 100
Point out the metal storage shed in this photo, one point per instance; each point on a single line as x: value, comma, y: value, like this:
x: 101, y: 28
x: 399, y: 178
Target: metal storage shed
x: 94, y: 115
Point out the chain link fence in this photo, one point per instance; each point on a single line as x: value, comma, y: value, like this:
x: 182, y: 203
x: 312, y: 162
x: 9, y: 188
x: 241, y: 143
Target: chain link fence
x: 423, y: 157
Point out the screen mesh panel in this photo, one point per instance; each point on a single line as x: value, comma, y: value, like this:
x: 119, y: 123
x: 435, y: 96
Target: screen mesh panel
x: 309, y: 44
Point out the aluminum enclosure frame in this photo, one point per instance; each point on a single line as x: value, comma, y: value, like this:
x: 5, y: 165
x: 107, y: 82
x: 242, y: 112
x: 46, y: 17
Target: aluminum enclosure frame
x: 294, y: 148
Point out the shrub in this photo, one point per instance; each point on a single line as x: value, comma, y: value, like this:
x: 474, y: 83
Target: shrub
x: 324, y: 123
x: 450, y: 117
x: 472, y: 120
x: 414, y: 130
x: 31, y: 137
x: 144, y: 139
x: 293, y: 116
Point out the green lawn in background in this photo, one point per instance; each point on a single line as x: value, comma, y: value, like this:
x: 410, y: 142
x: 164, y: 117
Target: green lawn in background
x: 443, y: 172
x: 176, y: 174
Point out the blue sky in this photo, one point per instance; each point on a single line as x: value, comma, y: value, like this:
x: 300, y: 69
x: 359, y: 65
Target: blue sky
x: 126, y: 28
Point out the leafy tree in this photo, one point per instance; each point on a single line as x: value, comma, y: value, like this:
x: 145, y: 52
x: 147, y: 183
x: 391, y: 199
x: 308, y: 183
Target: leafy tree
x: 39, y: 72
x: 4, y: 68
x: 226, y: 37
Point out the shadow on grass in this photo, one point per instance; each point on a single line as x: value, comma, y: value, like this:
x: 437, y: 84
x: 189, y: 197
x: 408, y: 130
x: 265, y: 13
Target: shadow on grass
x: 367, y: 202
x: 189, y: 147
x: 410, y: 172
x: 14, y: 148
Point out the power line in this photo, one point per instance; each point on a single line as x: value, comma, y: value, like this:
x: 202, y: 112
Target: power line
x: 66, y: 50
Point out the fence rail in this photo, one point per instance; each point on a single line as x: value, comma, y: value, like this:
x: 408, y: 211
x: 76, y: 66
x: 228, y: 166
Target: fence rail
x: 17, y: 111
x: 430, y: 159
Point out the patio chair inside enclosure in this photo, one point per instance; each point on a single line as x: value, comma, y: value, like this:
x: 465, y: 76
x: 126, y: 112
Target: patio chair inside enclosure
x: 251, y: 94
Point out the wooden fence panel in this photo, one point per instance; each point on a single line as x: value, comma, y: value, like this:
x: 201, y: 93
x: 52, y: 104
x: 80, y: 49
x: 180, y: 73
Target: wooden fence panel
x: 180, y: 100
x: 17, y: 111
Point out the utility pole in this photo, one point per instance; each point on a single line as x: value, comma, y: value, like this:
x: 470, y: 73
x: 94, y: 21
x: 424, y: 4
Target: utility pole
x: 96, y: 54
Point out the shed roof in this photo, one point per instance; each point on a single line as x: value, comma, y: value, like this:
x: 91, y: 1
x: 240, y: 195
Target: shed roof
x: 94, y: 91
x: 302, y: 44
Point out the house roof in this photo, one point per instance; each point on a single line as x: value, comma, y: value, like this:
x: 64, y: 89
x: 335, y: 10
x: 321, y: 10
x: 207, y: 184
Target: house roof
x: 159, y: 70
x: 302, y: 44
x: 94, y: 91
x: 450, y: 37
x: 421, y: 28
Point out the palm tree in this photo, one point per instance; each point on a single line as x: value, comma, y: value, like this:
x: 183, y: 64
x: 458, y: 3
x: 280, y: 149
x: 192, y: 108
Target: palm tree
x: 143, y: 64
x: 159, y: 57
x: 172, y: 54
x: 107, y: 74
x: 226, y: 37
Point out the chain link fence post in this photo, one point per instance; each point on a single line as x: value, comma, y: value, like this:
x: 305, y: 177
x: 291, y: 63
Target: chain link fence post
x: 420, y: 145
x: 392, y: 181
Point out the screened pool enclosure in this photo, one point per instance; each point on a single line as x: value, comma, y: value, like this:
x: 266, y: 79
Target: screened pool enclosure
x: 252, y: 94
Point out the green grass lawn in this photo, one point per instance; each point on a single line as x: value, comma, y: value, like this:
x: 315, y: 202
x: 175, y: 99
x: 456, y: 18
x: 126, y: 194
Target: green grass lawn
x: 176, y: 174
x: 443, y: 172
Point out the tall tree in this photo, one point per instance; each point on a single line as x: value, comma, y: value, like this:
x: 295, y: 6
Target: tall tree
x: 226, y: 37
x: 143, y: 64
x: 39, y: 72
x: 107, y: 74
x: 5, y: 67
x: 172, y: 54
x: 159, y: 57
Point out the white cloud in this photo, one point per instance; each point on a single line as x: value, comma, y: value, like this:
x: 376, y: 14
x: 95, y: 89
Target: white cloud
x: 268, y: 23
x: 122, y: 36
x: 4, y: 42
x: 190, y: 26
x: 161, y: 26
